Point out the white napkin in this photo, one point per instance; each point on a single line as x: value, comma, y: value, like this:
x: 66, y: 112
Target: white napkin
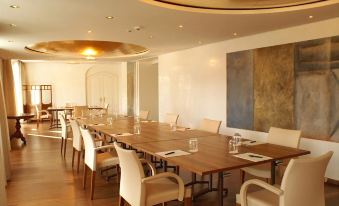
x: 252, y: 157
x: 173, y: 153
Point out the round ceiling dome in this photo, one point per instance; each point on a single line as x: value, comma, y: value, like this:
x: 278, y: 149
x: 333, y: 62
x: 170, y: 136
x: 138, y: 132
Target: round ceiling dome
x: 88, y: 49
x: 239, y: 6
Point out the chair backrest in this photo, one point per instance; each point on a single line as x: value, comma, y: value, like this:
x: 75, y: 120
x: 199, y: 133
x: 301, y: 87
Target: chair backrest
x: 106, y: 106
x: 210, y: 125
x: 63, y: 123
x: 79, y: 111
x: 171, y: 118
x: 143, y: 114
x: 284, y: 137
x: 131, y: 188
x: 77, y: 139
x: 303, y: 182
x: 90, y: 153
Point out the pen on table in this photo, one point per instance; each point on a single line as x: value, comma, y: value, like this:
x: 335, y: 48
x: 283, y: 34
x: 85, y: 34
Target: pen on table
x: 253, y: 141
x: 169, y: 153
x: 255, y: 156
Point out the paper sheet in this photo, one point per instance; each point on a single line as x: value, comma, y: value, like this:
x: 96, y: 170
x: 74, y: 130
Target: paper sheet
x: 174, y: 154
x: 247, y: 156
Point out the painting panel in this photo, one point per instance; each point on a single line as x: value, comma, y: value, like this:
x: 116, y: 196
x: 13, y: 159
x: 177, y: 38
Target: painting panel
x: 240, y: 90
x: 274, y: 87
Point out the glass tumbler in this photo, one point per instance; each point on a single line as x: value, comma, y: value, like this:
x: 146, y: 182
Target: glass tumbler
x: 173, y: 126
x: 137, y: 129
x: 193, y: 145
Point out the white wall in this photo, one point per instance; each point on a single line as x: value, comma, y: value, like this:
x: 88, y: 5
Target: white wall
x: 193, y: 82
x: 69, y: 80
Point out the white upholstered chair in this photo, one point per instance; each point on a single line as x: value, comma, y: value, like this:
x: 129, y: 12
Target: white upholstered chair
x: 302, y: 185
x: 79, y: 111
x: 94, y: 160
x: 171, y: 118
x: 138, y: 190
x: 41, y: 115
x: 66, y: 133
x: 77, y: 142
x: 143, y: 114
x: 283, y: 137
x: 210, y: 125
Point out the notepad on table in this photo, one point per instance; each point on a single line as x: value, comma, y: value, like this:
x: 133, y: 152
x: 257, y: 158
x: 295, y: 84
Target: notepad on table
x: 252, y: 157
x: 172, y: 153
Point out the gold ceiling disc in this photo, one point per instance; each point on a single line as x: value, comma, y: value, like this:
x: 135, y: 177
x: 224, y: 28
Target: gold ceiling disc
x: 239, y: 6
x: 87, y: 49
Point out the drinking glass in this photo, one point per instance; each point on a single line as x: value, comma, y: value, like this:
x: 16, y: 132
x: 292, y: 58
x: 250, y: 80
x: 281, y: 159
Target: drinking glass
x: 173, y: 126
x: 137, y: 129
x: 237, y: 139
x: 232, y: 147
x: 110, y: 121
x: 193, y: 145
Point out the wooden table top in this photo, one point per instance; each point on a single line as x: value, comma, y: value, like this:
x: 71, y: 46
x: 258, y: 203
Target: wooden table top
x: 213, y: 155
x: 20, y: 116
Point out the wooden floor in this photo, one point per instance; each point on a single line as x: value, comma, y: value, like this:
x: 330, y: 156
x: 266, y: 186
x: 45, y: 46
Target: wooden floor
x: 40, y: 176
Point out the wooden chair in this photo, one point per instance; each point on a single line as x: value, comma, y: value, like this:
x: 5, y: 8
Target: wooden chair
x: 95, y: 160
x: 66, y: 134
x: 77, y: 142
x: 171, y: 118
x: 143, y: 114
x: 138, y: 190
x: 210, y: 125
x: 41, y: 115
x: 302, y: 185
x: 283, y: 137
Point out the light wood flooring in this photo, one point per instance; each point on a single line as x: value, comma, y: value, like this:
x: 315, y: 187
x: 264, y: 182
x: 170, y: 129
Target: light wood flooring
x: 40, y: 176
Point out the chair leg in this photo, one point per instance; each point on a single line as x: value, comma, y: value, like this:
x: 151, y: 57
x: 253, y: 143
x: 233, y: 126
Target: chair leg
x: 242, y: 176
x: 187, y: 201
x: 37, y: 123
x: 62, y: 145
x: 79, y: 155
x: 73, y: 153
x: 121, y: 201
x: 84, y: 177
x: 65, y: 144
x: 92, y: 184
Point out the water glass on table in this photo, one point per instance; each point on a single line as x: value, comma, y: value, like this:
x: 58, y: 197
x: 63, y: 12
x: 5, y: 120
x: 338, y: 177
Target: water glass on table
x: 173, y: 126
x: 193, y: 145
x: 137, y: 129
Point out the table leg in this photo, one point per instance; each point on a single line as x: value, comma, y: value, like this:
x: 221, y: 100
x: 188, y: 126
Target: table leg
x: 220, y: 188
x: 18, y: 133
x: 273, y: 172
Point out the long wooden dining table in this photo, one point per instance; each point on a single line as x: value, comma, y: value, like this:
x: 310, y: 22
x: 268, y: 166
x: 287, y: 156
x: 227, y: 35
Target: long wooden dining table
x: 213, y: 154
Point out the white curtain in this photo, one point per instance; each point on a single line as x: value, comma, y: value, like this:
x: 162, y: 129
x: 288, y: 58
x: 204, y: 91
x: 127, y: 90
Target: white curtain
x: 4, y: 143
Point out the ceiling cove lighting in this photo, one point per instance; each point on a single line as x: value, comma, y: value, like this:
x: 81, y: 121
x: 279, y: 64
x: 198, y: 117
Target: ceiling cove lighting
x: 14, y: 6
x: 239, y: 7
x: 87, y: 49
x: 109, y: 17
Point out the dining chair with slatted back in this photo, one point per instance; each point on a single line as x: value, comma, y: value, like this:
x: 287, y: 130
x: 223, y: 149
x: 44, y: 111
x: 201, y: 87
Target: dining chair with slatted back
x: 66, y: 134
x: 143, y: 114
x: 138, y: 190
x: 41, y: 115
x: 302, y: 185
x: 95, y: 160
x: 210, y: 125
x: 171, y: 118
x: 278, y: 136
x: 77, y: 142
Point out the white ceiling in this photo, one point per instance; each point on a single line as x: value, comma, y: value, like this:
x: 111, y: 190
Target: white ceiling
x: 51, y: 20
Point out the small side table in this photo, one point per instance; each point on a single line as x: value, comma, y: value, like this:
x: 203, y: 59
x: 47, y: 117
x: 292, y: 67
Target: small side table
x: 17, y: 117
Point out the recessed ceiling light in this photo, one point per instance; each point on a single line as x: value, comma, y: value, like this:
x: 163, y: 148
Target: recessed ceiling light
x: 10, y: 41
x: 235, y: 34
x: 199, y: 42
x: 109, y: 17
x: 151, y: 37
x: 310, y: 16
x: 89, y: 31
x: 181, y: 26
x: 12, y: 25
x: 14, y: 6
x: 89, y: 52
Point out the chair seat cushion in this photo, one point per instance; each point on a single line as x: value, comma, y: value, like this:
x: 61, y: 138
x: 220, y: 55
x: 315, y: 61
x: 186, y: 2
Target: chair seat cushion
x: 261, y: 198
x: 161, y: 190
x: 107, y: 159
x: 263, y: 170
